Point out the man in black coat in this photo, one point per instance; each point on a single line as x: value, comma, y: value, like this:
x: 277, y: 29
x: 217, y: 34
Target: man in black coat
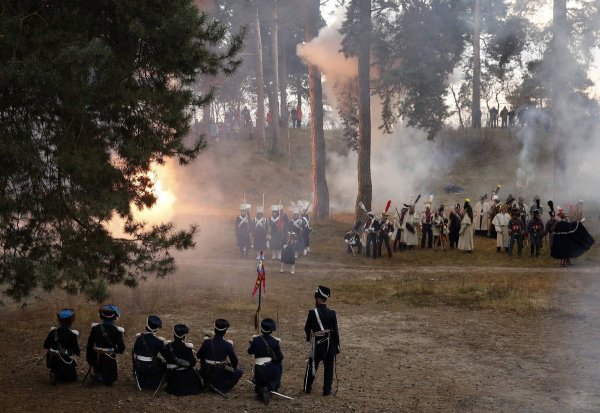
x: 218, y: 362
x: 571, y: 239
x: 321, y: 330
x: 103, y: 345
x: 267, y: 360
x: 182, y: 378
x: 148, y: 365
x: 62, y: 345
x: 242, y: 230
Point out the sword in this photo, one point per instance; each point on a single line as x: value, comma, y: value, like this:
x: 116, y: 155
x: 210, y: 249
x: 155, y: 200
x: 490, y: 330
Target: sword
x: 159, y: 384
x: 285, y: 396
x: 219, y: 392
x: 86, y: 376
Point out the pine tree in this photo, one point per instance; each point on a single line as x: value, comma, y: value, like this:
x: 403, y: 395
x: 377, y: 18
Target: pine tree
x: 91, y: 95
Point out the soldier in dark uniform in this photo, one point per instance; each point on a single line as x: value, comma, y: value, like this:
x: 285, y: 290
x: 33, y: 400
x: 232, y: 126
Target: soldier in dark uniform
x: 384, y: 235
x: 296, y: 225
x: 571, y: 239
x: 515, y: 231
x: 427, y: 226
x: 103, y: 345
x: 535, y: 231
x: 321, y: 330
x: 353, y: 241
x: 267, y: 360
x: 148, y: 356
x: 374, y: 226
x: 242, y: 230
x: 454, y: 226
x: 182, y: 378
x: 277, y: 224
x: 550, y: 224
x: 260, y: 230
x: 522, y: 210
x: 307, y: 231
x: 219, y: 374
x: 62, y: 345
x: 288, y: 255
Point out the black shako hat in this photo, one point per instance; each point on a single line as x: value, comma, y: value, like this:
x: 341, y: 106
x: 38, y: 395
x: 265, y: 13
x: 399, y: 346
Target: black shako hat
x: 267, y: 326
x: 154, y: 323
x: 221, y: 325
x: 322, y: 292
x: 180, y: 330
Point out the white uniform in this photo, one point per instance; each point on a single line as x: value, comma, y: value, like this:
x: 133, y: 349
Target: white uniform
x: 465, y: 240
x: 481, y: 214
x: 500, y: 222
x: 411, y: 238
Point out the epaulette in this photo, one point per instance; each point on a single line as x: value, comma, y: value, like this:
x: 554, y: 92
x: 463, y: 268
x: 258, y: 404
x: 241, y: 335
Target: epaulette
x: 52, y: 328
x: 230, y: 342
x: 206, y: 338
x: 189, y: 345
x: 94, y: 324
x: 168, y: 342
x: 276, y: 338
x: 121, y: 329
x: 255, y: 335
x: 138, y: 334
x: 75, y: 332
x: 160, y: 338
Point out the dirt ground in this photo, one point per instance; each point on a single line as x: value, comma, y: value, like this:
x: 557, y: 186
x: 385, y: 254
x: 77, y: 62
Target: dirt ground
x: 424, y: 332
x: 394, y: 357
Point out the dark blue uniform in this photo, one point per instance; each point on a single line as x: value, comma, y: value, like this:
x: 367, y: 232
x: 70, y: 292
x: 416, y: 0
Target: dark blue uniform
x: 104, y: 343
x: 182, y: 378
x: 325, y: 343
x: 267, y: 365
x: 148, y: 367
x: 62, y: 345
x: 214, y: 368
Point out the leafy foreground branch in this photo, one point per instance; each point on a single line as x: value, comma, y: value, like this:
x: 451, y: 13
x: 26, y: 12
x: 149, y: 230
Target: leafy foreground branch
x: 91, y: 95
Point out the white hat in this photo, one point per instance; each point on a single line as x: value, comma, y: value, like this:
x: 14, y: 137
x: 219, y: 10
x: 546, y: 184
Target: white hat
x: 248, y: 207
x: 242, y: 207
x: 296, y: 211
x: 495, y: 197
x: 275, y: 208
x: 260, y: 209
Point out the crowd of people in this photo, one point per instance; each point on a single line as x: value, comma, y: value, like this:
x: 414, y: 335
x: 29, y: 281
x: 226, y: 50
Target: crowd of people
x: 522, y: 116
x: 512, y: 223
x: 158, y: 362
x: 288, y: 238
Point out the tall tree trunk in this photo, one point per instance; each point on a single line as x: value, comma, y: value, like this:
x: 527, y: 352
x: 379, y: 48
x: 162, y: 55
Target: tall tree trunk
x: 560, y: 91
x: 365, y: 188
x: 317, y: 135
x: 283, y: 79
x: 476, y: 104
x: 275, y: 89
x: 260, y: 91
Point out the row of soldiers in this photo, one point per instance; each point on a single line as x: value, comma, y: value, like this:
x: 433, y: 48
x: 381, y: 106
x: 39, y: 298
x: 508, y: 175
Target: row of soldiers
x: 157, y: 361
x: 287, y: 238
x: 511, y: 223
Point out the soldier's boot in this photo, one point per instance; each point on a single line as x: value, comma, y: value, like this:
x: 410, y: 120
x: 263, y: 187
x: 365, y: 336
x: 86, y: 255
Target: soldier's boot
x: 281, y: 267
x: 293, y: 269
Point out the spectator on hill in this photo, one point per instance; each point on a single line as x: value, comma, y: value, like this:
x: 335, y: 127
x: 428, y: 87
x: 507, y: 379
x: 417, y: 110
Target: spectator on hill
x: 493, y: 117
x: 504, y: 117
x: 294, y: 117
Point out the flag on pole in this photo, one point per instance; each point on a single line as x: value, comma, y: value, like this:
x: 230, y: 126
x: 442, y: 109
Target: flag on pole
x: 260, y: 269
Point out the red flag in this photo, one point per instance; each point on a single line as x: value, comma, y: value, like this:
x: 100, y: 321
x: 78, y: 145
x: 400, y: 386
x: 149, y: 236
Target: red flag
x: 260, y: 269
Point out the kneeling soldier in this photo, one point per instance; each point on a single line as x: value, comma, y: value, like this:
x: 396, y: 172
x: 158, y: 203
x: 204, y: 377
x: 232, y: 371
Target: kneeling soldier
x: 267, y: 362
x: 103, y: 345
x: 62, y: 345
x: 218, y: 374
x: 148, y: 367
x: 182, y: 378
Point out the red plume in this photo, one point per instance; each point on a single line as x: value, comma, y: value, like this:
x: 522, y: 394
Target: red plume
x: 387, y: 206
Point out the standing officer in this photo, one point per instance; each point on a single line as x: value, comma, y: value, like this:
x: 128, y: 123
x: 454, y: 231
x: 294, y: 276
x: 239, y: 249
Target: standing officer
x: 321, y: 330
